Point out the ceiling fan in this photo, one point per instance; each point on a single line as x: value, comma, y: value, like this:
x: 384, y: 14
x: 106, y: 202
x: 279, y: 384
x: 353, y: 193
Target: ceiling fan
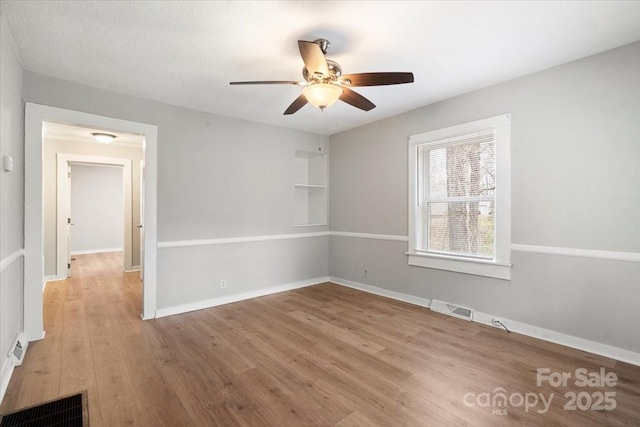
x: 324, y: 82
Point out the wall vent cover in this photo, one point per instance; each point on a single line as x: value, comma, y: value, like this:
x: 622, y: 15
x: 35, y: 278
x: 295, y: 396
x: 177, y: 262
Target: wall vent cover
x: 17, y: 350
x: 451, y: 309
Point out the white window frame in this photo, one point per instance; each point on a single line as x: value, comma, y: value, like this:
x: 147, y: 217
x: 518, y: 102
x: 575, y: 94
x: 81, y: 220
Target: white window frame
x: 500, y: 266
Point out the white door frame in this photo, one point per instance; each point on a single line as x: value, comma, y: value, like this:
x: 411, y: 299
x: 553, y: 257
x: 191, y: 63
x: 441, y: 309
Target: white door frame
x: 141, y: 224
x: 35, y: 116
x: 63, y: 199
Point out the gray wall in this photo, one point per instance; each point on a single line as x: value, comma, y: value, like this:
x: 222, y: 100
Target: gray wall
x: 11, y: 192
x: 50, y: 165
x: 217, y: 177
x: 575, y: 135
x: 575, y: 155
x: 97, y: 208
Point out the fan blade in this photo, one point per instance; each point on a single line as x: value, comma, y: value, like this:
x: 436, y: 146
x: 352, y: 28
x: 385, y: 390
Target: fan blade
x: 375, y: 79
x: 267, y: 82
x: 313, y: 58
x: 357, y: 100
x: 300, y: 102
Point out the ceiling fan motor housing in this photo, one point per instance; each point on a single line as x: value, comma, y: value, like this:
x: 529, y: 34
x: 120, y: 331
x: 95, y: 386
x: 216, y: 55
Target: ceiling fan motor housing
x: 335, y: 71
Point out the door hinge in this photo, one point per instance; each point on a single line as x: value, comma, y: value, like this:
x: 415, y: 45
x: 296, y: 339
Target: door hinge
x: 69, y: 265
x: 68, y: 220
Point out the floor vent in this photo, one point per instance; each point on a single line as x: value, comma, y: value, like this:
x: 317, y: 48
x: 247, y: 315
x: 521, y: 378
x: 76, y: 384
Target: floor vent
x: 451, y: 309
x: 68, y: 412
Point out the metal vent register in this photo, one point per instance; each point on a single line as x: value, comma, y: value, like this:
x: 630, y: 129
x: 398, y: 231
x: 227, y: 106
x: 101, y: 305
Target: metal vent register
x: 69, y: 411
x: 451, y: 309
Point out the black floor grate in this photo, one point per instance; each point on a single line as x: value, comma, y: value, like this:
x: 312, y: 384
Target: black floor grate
x: 68, y: 412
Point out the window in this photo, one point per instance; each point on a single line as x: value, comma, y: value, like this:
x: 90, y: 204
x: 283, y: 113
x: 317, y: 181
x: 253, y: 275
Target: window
x: 460, y: 198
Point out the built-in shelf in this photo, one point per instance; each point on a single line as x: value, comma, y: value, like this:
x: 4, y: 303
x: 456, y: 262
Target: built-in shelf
x: 310, y: 202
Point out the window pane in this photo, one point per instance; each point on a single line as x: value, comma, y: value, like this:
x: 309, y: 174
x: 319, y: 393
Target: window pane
x: 465, y: 228
x: 462, y: 170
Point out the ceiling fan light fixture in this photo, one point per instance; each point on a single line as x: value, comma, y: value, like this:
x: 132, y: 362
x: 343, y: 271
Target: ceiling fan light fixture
x: 103, y: 138
x: 322, y: 95
x: 324, y: 82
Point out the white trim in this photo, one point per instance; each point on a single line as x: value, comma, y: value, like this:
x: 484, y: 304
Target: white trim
x: 501, y: 125
x: 514, y: 326
x: 562, y: 339
x: 5, y: 376
x: 547, y: 250
x: 477, y: 267
x: 309, y: 186
x: 35, y: 115
x: 423, y: 302
x: 500, y: 121
x: 10, y: 259
x: 98, y: 251
x: 134, y: 268
x: 47, y: 279
x: 582, y: 253
x: 241, y: 239
x: 36, y: 337
x: 370, y: 236
x: 213, y: 302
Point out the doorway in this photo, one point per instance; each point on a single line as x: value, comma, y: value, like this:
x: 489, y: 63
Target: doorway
x: 35, y: 117
x: 66, y: 221
x: 105, y: 236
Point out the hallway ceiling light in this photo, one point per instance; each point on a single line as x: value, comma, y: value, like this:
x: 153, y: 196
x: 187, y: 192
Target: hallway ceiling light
x: 104, y: 138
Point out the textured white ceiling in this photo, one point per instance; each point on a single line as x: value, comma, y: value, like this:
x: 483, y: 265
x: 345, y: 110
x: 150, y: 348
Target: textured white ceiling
x: 186, y: 53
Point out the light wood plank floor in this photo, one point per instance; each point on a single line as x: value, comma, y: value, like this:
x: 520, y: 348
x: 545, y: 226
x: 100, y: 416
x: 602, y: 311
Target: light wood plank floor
x: 319, y: 356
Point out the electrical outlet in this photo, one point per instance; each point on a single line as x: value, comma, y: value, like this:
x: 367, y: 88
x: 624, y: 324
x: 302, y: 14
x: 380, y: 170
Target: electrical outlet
x: 223, y: 283
x: 366, y: 273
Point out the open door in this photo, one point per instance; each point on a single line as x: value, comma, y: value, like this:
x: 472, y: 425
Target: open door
x: 141, y: 225
x: 69, y: 223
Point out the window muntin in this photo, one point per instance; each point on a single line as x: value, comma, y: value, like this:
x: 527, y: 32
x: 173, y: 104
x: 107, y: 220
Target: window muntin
x: 456, y: 196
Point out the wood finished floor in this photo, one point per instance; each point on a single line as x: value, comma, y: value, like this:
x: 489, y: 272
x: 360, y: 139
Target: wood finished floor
x: 325, y: 355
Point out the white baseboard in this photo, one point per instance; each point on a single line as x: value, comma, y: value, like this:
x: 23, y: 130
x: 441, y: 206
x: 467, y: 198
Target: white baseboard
x: 96, y: 251
x: 424, y: 302
x: 133, y: 269
x: 5, y: 376
x: 562, y: 339
x: 600, y: 349
x: 52, y: 278
x: 11, y: 361
x: 213, y: 302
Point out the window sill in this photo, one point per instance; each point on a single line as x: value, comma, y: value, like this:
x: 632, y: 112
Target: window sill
x: 477, y: 267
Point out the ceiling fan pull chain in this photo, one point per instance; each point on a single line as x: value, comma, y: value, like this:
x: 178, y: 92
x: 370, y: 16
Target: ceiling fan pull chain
x: 321, y: 132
